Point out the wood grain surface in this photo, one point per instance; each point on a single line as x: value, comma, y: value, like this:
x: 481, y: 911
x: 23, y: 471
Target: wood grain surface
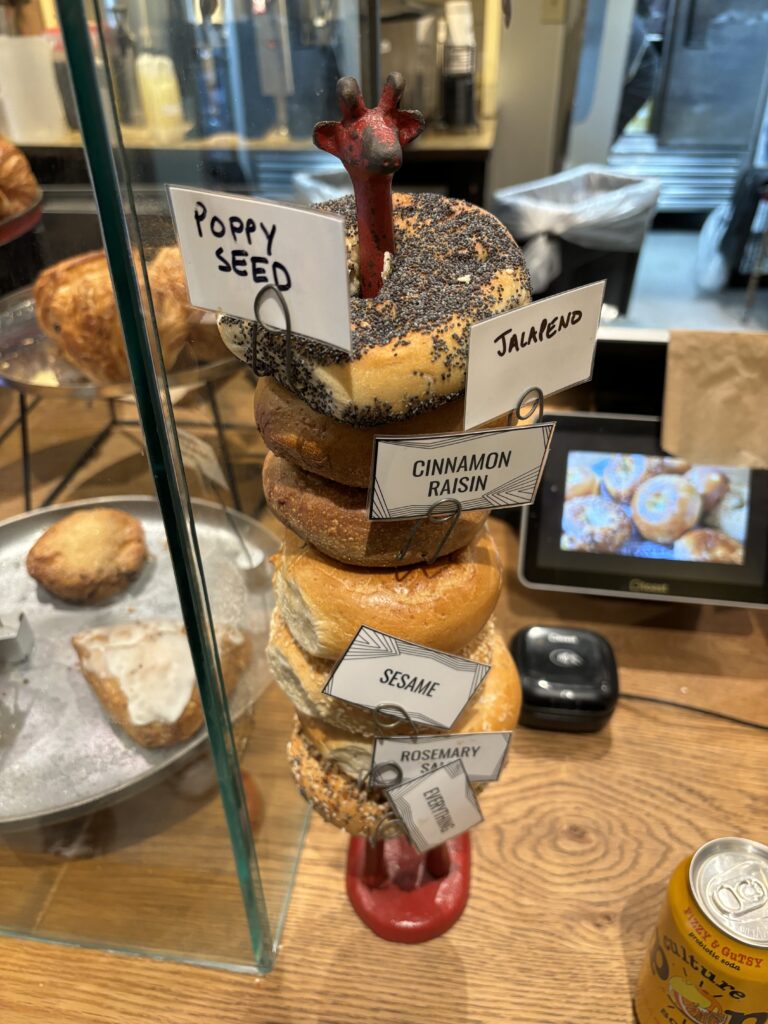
x: 569, y: 867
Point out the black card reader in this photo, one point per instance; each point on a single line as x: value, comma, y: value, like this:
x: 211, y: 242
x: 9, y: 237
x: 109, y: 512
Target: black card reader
x: 568, y: 677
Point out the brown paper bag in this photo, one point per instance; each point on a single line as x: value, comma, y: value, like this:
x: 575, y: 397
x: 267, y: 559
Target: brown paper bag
x: 716, y: 398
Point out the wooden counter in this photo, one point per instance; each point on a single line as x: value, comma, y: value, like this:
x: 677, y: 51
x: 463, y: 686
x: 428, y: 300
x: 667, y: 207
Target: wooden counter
x: 569, y: 868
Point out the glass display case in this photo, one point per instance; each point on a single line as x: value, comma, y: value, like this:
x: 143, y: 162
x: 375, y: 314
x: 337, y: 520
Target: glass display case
x: 146, y: 802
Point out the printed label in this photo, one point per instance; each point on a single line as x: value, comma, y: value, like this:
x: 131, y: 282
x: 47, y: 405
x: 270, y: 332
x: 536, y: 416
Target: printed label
x: 433, y: 687
x: 436, y: 806
x: 398, y: 759
x: 485, y: 469
x: 232, y: 246
x: 549, y: 344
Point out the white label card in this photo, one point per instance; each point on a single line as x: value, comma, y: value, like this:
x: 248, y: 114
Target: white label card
x: 486, y: 469
x: 433, y: 687
x: 398, y: 759
x: 200, y: 454
x: 436, y: 806
x: 549, y: 344
x: 232, y: 246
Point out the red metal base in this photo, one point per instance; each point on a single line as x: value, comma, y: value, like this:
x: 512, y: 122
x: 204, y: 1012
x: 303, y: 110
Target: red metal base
x: 407, y: 896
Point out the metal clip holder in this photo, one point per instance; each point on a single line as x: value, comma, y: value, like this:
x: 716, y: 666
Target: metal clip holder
x: 446, y: 511
x: 267, y: 291
x: 536, y: 397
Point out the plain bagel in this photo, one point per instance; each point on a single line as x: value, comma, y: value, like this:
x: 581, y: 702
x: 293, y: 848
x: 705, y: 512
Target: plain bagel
x: 334, y: 519
x: 455, y: 265
x: 443, y: 605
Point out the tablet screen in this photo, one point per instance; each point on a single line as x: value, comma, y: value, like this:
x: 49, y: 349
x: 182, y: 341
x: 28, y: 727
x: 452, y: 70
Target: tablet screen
x: 653, y: 507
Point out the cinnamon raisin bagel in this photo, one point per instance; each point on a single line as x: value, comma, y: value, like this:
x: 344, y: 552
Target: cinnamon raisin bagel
x: 443, y: 605
x: 334, y: 450
x: 455, y: 265
x: 334, y: 519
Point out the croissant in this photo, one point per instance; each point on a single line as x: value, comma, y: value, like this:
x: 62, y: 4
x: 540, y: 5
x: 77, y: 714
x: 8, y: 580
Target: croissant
x: 18, y: 185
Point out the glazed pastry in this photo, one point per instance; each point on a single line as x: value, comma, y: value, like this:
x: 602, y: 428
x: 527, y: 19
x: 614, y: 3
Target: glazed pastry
x: 731, y: 515
x: 455, y: 265
x: 89, y: 556
x: 324, y: 603
x: 665, y: 507
x: 705, y: 545
x: 710, y: 482
x: 334, y: 519
x: 595, y: 524
x: 143, y: 674
x: 19, y: 188
x: 580, y: 482
x: 624, y: 474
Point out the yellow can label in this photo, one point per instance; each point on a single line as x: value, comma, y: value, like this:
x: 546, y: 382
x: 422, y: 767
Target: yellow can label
x: 693, y: 972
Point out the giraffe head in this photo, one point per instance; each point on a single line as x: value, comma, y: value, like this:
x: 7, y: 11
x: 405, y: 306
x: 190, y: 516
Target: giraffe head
x: 369, y: 141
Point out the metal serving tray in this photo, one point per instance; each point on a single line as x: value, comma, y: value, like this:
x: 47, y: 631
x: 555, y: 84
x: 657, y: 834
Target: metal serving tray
x: 60, y: 756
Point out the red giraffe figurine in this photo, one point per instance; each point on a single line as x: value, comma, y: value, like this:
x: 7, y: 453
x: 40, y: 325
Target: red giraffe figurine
x: 369, y: 142
x: 401, y: 894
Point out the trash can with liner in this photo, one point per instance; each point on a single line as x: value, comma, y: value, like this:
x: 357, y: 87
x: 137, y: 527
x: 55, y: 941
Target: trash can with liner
x: 582, y: 225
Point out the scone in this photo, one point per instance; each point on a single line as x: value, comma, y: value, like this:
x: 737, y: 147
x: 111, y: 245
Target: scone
x: 89, y: 556
x: 143, y: 675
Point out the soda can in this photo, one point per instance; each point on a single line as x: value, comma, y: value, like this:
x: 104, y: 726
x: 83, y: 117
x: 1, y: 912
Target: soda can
x: 708, y: 958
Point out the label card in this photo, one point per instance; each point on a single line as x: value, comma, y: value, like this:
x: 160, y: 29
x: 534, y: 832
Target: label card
x: 433, y: 687
x: 549, y: 344
x: 401, y: 758
x: 486, y: 469
x: 436, y: 806
x: 200, y: 454
x: 232, y: 246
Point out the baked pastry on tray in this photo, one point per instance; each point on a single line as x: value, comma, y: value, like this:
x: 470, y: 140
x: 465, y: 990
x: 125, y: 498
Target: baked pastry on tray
x: 75, y: 307
x: 142, y: 673
x: 89, y: 556
x: 19, y: 188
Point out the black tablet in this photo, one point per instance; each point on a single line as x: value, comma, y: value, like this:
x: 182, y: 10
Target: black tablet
x: 614, y: 515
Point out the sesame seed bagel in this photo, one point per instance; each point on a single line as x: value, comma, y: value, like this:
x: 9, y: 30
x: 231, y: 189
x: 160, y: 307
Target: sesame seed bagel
x: 338, y: 451
x: 303, y: 677
x: 334, y: 519
x: 443, y: 605
x: 455, y: 265
x: 329, y: 764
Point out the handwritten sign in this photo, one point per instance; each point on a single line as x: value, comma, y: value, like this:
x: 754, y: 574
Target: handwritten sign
x: 433, y: 687
x: 485, y: 469
x: 232, y: 246
x: 397, y: 759
x: 436, y: 806
x: 549, y: 344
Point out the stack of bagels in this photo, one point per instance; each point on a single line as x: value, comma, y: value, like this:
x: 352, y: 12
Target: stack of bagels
x: 337, y: 571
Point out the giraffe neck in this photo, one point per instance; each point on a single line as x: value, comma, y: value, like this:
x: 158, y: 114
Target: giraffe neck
x: 373, y: 199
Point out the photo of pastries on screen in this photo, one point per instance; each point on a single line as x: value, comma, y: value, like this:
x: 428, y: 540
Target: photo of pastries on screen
x: 648, y: 506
